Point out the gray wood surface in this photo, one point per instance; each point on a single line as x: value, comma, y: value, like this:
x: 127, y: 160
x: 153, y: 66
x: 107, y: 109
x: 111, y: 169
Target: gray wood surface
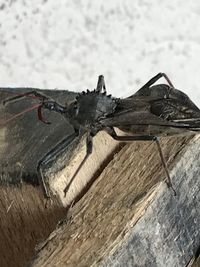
x: 129, y: 217
x: 24, y: 221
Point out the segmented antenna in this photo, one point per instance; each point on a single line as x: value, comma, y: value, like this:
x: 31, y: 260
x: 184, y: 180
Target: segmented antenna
x: 38, y: 107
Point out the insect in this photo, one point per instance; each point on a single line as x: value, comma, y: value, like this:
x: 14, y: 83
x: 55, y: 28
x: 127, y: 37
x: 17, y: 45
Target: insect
x: 153, y: 111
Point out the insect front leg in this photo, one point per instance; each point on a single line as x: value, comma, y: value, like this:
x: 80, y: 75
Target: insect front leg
x: 89, y: 148
x: 52, y: 106
x: 53, y: 154
x: 114, y: 135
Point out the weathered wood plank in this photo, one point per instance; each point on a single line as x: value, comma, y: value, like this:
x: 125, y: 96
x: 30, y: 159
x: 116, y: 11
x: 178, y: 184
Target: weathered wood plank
x: 196, y: 263
x: 24, y: 222
x: 126, y: 213
x: 129, y: 217
x: 23, y: 142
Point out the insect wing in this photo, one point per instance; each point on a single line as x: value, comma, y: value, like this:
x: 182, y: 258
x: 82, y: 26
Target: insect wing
x: 163, y: 91
x: 161, y: 109
x: 138, y: 118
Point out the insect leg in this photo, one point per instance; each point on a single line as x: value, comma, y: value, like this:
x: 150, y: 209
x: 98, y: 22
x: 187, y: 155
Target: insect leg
x: 114, y: 135
x: 101, y: 84
x: 155, y: 79
x: 34, y: 94
x: 52, y: 106
x: 52, y: 154
x: 89, y: 146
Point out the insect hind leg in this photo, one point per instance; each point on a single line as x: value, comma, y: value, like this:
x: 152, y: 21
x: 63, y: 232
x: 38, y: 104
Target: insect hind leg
x: 114, y: 135
x: 155, y: 79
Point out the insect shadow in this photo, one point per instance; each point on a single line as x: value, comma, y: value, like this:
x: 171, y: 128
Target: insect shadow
x: 153, y: 111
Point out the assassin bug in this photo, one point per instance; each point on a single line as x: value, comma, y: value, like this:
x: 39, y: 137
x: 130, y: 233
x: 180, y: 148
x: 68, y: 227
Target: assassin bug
x: 153, y: 111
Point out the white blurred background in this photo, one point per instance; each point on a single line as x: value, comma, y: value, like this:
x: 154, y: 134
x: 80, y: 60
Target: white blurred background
x: 66, y: 44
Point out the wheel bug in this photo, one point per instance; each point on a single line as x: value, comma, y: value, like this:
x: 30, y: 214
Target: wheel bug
x: 153, y: 111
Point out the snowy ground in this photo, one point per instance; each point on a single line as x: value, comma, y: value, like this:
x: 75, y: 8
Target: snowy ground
x: 67, y: 44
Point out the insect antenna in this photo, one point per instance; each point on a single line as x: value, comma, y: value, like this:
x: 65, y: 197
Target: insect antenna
x: 31, y: 94
x: 38, y: 107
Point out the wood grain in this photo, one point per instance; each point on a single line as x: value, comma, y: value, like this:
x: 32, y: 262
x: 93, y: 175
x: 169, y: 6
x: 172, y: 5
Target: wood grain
x: 129, y: 217
x: 24, y: 222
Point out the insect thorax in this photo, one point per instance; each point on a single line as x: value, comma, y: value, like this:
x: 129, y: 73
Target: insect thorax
x: 90, y: 107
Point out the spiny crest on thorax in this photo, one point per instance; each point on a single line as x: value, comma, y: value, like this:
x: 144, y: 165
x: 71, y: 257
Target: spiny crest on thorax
x: 93, y: 105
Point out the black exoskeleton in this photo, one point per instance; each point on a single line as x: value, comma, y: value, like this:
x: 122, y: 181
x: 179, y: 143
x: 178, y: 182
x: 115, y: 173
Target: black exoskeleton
x: 153, y: 111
